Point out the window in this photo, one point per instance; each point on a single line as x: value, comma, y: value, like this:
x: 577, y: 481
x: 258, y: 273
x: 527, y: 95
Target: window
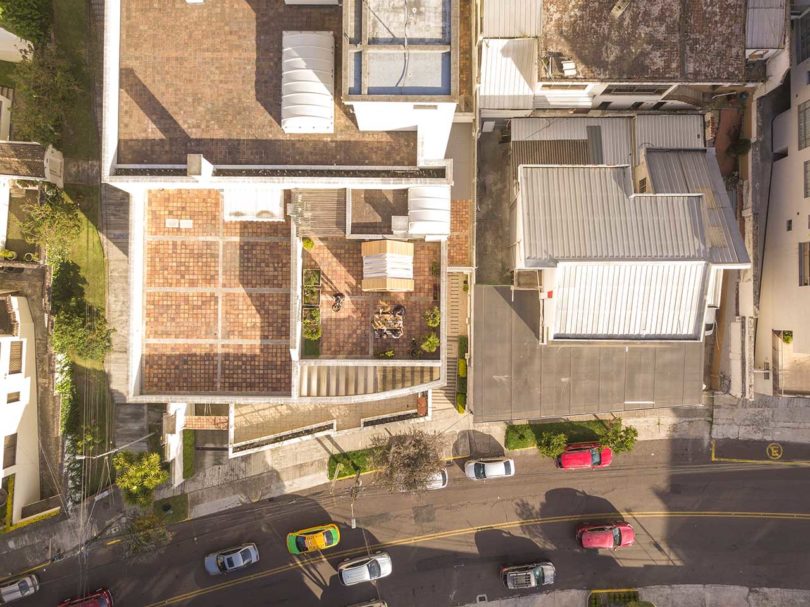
x: 635, y: 89
x: 13, y: 397
x: 9, y: 451
x: 804, y: 264
x: 658, y: 105
x: 802, y: 34
x: 642, y: 185
x: 804, y: 125
x: 789, y: 225
x: 807, y: 178
x: 15, y: 359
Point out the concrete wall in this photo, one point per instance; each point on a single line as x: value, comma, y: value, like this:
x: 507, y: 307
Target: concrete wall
x: 21, y: 417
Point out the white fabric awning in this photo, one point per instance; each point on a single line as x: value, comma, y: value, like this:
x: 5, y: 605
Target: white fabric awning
x: 429, y: 210
x: 308, y: 82
x: 388, y: 265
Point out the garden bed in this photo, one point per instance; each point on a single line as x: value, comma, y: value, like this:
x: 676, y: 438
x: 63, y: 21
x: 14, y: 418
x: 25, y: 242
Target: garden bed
x: 351, y: 463
x: 524, y: 436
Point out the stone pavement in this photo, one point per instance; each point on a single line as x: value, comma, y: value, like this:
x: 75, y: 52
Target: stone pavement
x: 674, y: 596
x: 767, y: 418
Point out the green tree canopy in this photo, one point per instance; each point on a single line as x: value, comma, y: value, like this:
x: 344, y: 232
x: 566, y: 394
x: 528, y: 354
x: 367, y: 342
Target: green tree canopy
x: 619, y: 438
x: 53, y: 225
x: 137, y: 475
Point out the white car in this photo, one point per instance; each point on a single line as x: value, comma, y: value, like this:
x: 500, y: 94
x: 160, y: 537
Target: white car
x: 231, y: 559
x: 18, y: 589
x: 492, y: 467
x: 364, y: 569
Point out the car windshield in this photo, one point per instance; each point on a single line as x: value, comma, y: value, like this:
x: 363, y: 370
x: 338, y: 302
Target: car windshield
x: 24, y: 587
x: 480, y: 471
x: 596, y: 457
x: 229, y: 562
x: 617, y: 537
x: 329, y: 537
x: 507, y: 468
x: 247, y: 557
x: 301, y: 543
x: 538, y: 575
x: 102, y: 602
x: 374, y: 569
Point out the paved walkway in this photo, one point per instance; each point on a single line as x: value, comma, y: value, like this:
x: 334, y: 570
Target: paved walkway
x: 767, y: 418
x: 674, y: 596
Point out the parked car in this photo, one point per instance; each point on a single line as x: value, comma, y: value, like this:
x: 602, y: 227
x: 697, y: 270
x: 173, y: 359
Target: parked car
x: 493, y: 467
x: 100, y: 598
x: 364, y: 569
x: 606, y: 535
x: 710, y: 321
x: 17, y: 589
x: 437, y: 481
x: 314, y: 538
x: 531, y: 575
x: 585, y: 455
x: 231, y: 559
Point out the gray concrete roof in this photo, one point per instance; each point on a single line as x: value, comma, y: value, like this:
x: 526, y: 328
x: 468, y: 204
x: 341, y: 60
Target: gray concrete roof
x: 516, y: 378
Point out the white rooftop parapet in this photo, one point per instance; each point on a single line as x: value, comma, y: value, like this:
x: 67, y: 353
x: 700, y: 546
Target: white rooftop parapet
x: 308, y: 82
x: 429, y: 211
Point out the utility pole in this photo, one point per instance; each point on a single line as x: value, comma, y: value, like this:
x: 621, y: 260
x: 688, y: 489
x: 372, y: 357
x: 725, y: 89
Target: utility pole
x: 354, y: 492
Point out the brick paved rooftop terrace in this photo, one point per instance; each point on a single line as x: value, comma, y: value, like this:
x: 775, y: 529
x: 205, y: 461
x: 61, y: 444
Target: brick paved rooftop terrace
x: 206, y: 78
x: 216, y: 301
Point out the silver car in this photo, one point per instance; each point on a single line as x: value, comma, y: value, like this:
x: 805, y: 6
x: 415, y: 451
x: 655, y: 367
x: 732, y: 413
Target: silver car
x: 492, y: 467
x: 231, y: 559
x: 364, y: 569
x: 532, y: 575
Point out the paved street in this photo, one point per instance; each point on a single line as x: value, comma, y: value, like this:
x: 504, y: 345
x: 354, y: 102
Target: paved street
x: 696, y: 522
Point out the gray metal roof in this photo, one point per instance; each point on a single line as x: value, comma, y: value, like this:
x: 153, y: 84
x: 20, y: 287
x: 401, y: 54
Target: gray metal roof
x: 682, y: 131
x: 697, y: 172
x: 635, y: 300
x: 765, y: 24
x: 508, y: 74
x: 589, y: 213
x: 608, y: 138
x: 512, y: 18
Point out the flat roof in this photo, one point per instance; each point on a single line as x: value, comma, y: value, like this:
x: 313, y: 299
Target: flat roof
x: 206, y: 78
x: 654, y: 40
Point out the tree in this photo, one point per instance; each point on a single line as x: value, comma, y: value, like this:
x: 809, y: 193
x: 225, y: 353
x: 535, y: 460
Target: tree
x: 620, y: 439
x: 138, y: 475
x: 77, y: 336
x: 552, y: 444
x: 406, y: 462
x: 45, y: 89
x: 53, y: 225
x: 29, y: 19
x: 146, y: 533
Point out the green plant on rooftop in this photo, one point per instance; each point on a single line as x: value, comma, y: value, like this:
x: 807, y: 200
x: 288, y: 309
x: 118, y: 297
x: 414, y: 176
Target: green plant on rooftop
x: 311, y: 324
x: 9, y: 255
x: 307, y: 243
x: 433, y: 317
x: 430, y: 343
x: 787, y: 337
x: 406, y: 462
x: 45, y: 90
x: 137, y: 475
x: 53, y: 225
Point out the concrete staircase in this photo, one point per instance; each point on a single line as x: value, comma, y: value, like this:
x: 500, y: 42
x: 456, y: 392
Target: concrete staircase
x: 350, y: 380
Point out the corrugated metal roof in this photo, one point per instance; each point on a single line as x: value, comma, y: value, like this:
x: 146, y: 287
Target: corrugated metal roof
x: 615, y: 134
x: 512, y: 18
x: 589, y: 213
x: 629, y: 300
x: 685, y: 131
x: 765, y: 24
x: 508, y: 74
x: 697, y: 172
x: 558, y: 151
x: 308, y: 82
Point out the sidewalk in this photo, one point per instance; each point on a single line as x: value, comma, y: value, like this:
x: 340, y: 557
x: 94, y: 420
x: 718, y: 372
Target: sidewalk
x: 767, y: 418
x: 674, y: 596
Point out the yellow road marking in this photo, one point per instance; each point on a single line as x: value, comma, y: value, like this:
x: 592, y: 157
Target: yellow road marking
x: 31, y: 569
x: 779, y: 462
x: 794, y: 516
x: 606, y: 590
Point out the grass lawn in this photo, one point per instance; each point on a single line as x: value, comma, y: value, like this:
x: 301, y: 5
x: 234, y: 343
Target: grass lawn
x: 178, y: 508
x: 72, y: 31
x: 351, y: 462
x: 522, y: 436
x: 189, y: 453
x: 7, y: 74
x: 15, y: 241
x: 86, y: 251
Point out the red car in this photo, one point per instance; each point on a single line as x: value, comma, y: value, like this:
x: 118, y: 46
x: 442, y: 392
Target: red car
x: 100, y: 598
x: 585, y: 455
x: 608, y: 536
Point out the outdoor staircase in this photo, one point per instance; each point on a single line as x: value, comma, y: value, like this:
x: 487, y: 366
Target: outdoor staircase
x: 351, y: 380
x: 456, y: 305
x: 320, y: 213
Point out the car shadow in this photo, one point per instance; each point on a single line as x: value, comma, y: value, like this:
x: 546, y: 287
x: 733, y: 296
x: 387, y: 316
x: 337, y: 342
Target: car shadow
x: 477, y: 444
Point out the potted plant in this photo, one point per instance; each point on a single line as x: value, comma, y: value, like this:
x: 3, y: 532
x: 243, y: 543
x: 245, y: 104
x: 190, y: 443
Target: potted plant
x: 8, y: 254
x: 433, y: 317
x: 430, y: 343
x: 312, y: 278
x: 312, y: 297
x: 311, y: 324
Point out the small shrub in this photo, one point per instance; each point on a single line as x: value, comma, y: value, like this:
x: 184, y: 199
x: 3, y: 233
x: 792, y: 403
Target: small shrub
x: 53, y: 225
x: 463, y: 345
x: 433, y: 317
x: 312, y: 278
x: 461, y: 403
x: 138, y: 475
x: 386, y: 354
x: 312, y: 331
x: 307, y: 243
x: 312, y: 296
x: 787, y: 337
x: 620, y: 439
x: 430, y: 343
x: 462, y: 368
x: 8, y: 254
x: 461, y: 385
x: 552, y: 444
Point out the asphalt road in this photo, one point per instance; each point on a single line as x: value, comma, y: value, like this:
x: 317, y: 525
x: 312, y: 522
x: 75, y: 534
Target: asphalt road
x: 696, y: 522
